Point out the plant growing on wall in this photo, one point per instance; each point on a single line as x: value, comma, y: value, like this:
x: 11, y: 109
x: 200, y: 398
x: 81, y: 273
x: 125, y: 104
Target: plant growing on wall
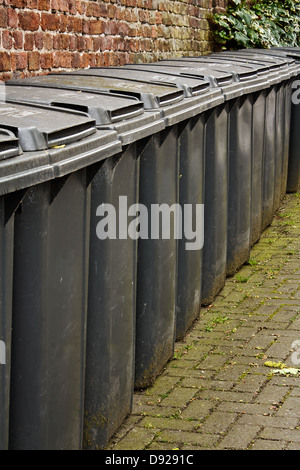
x: 258, y: 23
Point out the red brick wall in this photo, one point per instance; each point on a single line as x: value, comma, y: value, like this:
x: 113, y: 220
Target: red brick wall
x: 37, y: 36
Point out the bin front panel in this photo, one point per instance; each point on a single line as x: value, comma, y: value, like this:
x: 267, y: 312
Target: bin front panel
x: 258, y: 141
x: 215, y: 203
x: 156, y: 270
x: 191, y: 193
x: 239, y: 190
x: 111, y: 304
x: 6, y: 279
x: 49, y: 316
x: 269, y: 159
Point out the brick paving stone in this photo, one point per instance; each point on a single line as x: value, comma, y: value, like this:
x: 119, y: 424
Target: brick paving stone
x: 198, y: 409
x: 288, y: 435
x: 268, y: 421
x: 271, y: 394
x: 217, y: 392
x: 179, y: 397
x: 264, y: 444
x: 239, y: 437
x: 290, y: 407
x: 293, y: 446
x: 165, y: 423
x: 183, y: 437
x: 218, y: 422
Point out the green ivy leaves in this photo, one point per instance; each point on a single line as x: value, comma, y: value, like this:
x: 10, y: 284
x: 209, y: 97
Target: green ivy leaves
x: 263, y: 23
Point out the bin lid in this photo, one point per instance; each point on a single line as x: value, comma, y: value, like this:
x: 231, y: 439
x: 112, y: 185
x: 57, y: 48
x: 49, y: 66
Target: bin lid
x: 227, y: 81
x: 104, y: 108
x: 265, y: 66
x: 190, y: 86
x: 172, y: 111
x: 9, y: 144
x: 153, y: 96
x: 226, y: 72
x: 286, y: 66
x: 39, y: 128
x: 110, y: 111
x: 293, y: 52
x: 168, y: 100
x: 220, y: 61
x: 291, y: 57
x: 276, y: 63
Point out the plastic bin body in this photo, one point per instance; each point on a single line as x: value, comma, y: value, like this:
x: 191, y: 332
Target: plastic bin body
x: 258, y: 147
x: 239, y: 184
x: 215, y: 204
x: 257, y: 99
x: 293, y: 181
x: 109, y: 379
x: 283, y: 120
x: 276, y: 125
x: 286, y: 69
x: 191, y: 192
x: 293, y: 177
x: 48, y: 194
x: 9, y: 148
x: 49, y: 316
x: 6, y: 280
x: 238, y: 94
x: 157, y: 262
x: 165, y: 307
x: 156, y: 295
x: 110, y: 347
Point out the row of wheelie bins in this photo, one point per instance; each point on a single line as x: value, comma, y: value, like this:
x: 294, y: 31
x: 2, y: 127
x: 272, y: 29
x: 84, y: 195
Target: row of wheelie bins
x: 127, y: 196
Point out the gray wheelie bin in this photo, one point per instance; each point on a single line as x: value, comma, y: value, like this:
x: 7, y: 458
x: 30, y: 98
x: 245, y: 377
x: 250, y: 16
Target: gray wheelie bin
x: 157, y: 285
x: 155, y: 323
x: 280, y: 92
x: 191, y: 144
x: 243, y: 81
x: 50, y: 199
x: 157, y: 258
x: 271, y: 131
x: 109, y: 378
x: 286, y: 117
x: 9, y: 148
x: 293, y: 179
x: 258, y: 99
x: 216, y: 173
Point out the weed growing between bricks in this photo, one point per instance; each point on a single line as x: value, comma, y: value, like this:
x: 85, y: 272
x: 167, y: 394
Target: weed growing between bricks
x: 217, y: 392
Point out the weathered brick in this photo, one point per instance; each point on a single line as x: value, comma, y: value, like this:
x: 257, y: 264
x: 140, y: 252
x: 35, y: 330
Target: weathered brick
x: 12, y: 18
x: 7, y: 40
x: 50, y: 22
x: 96, y: 27
x: 33, y: 60
x: 44, y: 5
x: 32, y: 4
x: 29, y: 20
x: 19, y: 60
x: 3, y: 17
x: 5, y: 61
x: 46, y: 60
x: 29, y: 42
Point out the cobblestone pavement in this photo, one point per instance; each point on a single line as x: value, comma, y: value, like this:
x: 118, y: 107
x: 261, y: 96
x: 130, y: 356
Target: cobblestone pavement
x: 231, y: 383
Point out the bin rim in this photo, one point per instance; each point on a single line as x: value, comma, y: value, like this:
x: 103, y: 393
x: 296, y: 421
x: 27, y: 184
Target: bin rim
x: 32, y: 168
